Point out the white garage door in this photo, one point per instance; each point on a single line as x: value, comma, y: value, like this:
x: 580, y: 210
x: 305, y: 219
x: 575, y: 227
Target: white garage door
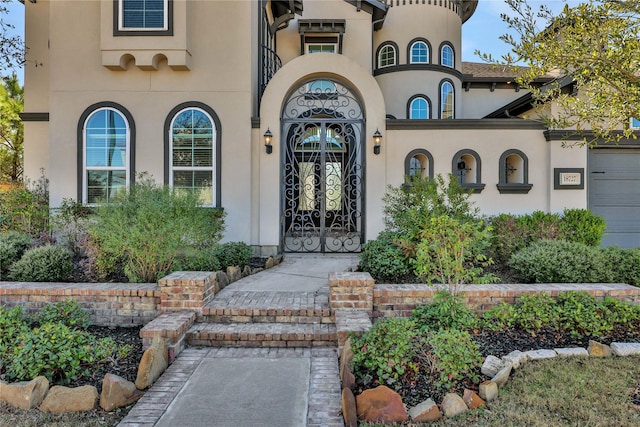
x: 614, y: 193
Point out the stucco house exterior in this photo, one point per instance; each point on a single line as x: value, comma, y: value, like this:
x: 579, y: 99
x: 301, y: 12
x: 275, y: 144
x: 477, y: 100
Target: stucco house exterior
x: 295, y: 115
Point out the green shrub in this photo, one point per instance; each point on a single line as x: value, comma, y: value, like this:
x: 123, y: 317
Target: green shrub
x: 537, y: 311
x: 541, y: 225
x: 557, y: 261
x: 12, y: 246
x: 447, y: 311
x: 454, y: 356
x: 197, y: 260
x: 621, y: 313
x: 49, y: 263
x: 386, y: 350
x: 581, y: 314
x: 70, y: 224
x: 26, y: 208
x: 500, y: 317
x: 582, y: 226
x: 508, y: 236
x: 233, y: 254
x: 13, y: 323
x: 621, y: 265
x: 67, y: 312
x: 147, y: 227
x: 384, y: 259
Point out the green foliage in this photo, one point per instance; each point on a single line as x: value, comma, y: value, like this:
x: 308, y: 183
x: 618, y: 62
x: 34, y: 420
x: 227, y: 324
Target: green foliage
x: 384, y: 259
x: 197, y: 260
x: 454, y: 356
x: 581, y: 314
x: 621, y: 313
x: 508, y: 236
x: 48, y: 263
x: 540, y: 225
x: 70, y: 224
x: 66, y: 312
x: 500, y: 317
x: 447, y: 311
x: 233, y: 254
x: 11, y: 129
x: 149, y: 226
x: 386, y: 350
x: 621, y: 265
x: 582, y: 226
x: 12, y: 246
x: 26, y: 208
x: 13, y: 323
x: 537, y: 311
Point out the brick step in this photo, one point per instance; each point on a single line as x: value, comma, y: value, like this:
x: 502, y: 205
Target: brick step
x: 262, y: 335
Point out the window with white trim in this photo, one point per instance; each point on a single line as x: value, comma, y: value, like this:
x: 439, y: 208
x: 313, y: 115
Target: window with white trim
x: 192, y: 137
x: 446, y: 56
x: 143, y: 15
x: 387, y: 56
x: 447, y: 101
x: 419, y: 108
x: 419, y: 53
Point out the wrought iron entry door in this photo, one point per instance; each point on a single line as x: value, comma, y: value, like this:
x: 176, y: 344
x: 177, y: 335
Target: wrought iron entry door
x: 322, y: 187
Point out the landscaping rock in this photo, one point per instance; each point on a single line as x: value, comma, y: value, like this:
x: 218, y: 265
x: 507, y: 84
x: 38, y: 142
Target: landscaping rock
x: 381, y: 404
x: 425, y: 412
x: 118, y: 392
x: 517, y: 358
x: 269, y: 263
x: 66, y: 399
x: 349, y: 411
x: 24, y: 394
x: 278, y: 259
x: 541, y: 354
x: 453, y: 405
x: 488, y: 390
x: 625, y: 348
x: 246, y: 271
x: 222, y: 279
x: 502, y: 377
x: 153, y: 363
x: 572, y: 352
x: 257, y: 270
x: 234, y: 273
x: 491, y: 366
x: 471, y: 399
x: 346, y: 375
x: 596, y: 349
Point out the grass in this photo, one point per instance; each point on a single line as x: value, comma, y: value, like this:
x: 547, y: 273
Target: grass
x: 562, y: 392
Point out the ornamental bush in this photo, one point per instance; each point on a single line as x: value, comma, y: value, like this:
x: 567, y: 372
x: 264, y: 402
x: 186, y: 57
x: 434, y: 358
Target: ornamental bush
x: 447, y: 311
x: 13, y: 245
x: 48, y: 263
x: 621, y: 265
x: 385, y: 260
x: 454, y: 356
x: 232, y: 254
x: 67, y: 312
x: 582, y: 226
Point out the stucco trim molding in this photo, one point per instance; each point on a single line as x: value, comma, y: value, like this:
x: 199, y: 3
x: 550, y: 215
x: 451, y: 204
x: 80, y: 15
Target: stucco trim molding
x: 573, y: 135
x: 476, y: 124
x: 34, y: 117
x: 417, y: 67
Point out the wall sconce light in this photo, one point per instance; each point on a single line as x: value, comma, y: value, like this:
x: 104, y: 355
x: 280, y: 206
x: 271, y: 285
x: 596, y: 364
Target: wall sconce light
x: 377, y: 140
x: 268, y: 136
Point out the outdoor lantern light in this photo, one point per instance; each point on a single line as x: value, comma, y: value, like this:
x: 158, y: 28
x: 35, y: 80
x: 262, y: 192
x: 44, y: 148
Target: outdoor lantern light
x: 377, y: 140
x: 268, y: 136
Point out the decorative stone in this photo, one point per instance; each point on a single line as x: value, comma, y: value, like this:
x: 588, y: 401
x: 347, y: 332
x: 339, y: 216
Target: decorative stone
x: 246, y: 271
x: 66, y: 399
x: 270, y: 263
x: 118, y: 392
x: 348, y: 380
x: 596, y: 349
x: 491, y: 366
x: 223, y: 279
x: 572, y: 352
x: 24, y: 394
x: 517, y: 358
x: 425, y: 411
x: 346, y: 374
x: 234, y: 273
x: 625, y: 348
x: 502, y: 377
x: 471, y: 399
x: 453, y: 405
x: 488, y: 390
x: 256, y: 270
x: 381, y: 404
x: 349, y: 412
x: 153, y: 363
x: 541, y: 354
x: 278, y: 259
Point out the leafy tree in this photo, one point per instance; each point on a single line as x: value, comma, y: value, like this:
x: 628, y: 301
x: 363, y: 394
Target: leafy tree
x: 11, y: 129
x: 594, y: 46
x: 11, y: 46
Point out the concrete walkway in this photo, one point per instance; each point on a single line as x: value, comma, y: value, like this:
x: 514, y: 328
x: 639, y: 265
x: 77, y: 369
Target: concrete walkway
x: 253, y: 387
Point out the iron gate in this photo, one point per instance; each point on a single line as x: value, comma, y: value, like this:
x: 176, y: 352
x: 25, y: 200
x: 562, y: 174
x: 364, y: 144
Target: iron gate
x: 322, y: 169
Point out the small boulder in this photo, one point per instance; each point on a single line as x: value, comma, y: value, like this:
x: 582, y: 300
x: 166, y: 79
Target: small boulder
x: 25, y: 394
x: 453, y: 405
x: 349, y: 412
x: 502, y: 377
x: 541, y: 354
x: 222, y: 279
x: 154, y: 362
x: 425, y: 411
x: 625, y: 348
x: 491, y: 366
x: 246, y: 271
x: 234, y: 273
x: 471, y: 399
x: 381, y: 404
x: 270, y: 263
x: 346, y: 374
x: 596, y: 349
x: 256, y: 270
x: 572, y: 352
x: 118, y: 392
x: 66, y: 399
x: 517, y: 358
x: 278, y: 259
x: 488, y: 390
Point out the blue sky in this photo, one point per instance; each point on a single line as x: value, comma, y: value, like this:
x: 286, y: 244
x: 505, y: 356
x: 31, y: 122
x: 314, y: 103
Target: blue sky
x: 480, y: 32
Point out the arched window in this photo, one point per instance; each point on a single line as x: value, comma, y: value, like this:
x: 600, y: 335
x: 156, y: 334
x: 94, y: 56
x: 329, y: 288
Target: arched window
x: 387, y: 55
x: 514, y: 173
x: 447, y: 57
x: 419, y: 108
x: 419, y: 162
x: 419, y: 52
x: 193, y: 154
x: 467, y: 168
x: 106, y: 152
x: 447, y: 100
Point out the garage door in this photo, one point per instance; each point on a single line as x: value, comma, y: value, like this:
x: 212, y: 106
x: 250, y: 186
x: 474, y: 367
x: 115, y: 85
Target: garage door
x: 614, y: 193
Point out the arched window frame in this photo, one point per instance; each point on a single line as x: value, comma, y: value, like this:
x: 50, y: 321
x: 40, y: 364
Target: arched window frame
x: 505, y: 187
x: 83, y: 168
x: 168, y: 146
x: 415, y: 98
x: 381, y: 49
x: 412, y: 44
x: 477, y: 186
x: 446, y: 59
x: 415, y: 153
x: 441, y: 110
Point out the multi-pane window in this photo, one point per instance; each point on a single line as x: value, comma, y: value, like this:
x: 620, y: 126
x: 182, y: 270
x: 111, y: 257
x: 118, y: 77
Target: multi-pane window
x: 321, y: 86
x: 446, y: 100
x: 446, y: 56
x: 321, y: 48
x: 387, y: 56
x: 143, y: 15
x: 419, y: 53
x: 419, y: 109
x: 192, y: 138
x: 106, y: 167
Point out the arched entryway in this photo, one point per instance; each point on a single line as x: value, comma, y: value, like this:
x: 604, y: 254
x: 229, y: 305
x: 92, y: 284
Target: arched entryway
x: 322, y: 174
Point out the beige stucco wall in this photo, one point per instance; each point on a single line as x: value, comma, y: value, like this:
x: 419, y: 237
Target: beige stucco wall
x: 478, y: 102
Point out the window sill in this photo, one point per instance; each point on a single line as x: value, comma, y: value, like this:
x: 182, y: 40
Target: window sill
x: 475, y: 188
x: 505, y: 188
